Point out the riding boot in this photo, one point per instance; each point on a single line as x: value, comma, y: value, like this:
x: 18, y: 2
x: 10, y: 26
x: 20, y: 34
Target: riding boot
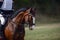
x: 1, y: 32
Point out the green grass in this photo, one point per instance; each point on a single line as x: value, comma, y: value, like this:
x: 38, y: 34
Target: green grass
x: 43, y: 33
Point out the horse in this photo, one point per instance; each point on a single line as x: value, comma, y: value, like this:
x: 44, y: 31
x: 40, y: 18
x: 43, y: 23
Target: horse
x: 15, y: 29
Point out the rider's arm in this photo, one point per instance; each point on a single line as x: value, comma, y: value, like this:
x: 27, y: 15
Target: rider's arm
x: 1, y: 0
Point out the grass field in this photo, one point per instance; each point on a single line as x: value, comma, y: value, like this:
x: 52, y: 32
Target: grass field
x: 44, y: 32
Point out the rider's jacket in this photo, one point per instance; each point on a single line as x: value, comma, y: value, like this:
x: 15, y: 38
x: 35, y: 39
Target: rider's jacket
x: 7, y: 5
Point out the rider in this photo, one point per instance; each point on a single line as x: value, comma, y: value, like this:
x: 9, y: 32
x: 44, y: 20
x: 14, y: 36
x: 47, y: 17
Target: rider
x: 7, y: 11
x: 1, y: 1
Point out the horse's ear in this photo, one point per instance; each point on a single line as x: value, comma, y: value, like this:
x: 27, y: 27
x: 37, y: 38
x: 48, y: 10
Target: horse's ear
x: 28, y: 10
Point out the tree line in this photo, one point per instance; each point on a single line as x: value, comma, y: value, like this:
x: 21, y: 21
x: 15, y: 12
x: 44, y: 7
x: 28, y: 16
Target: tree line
x: 45, y: 7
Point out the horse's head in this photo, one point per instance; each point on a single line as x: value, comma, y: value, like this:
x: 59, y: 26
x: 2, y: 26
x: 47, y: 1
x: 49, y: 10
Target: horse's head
x: 26, y: 16
x: 30, y: 19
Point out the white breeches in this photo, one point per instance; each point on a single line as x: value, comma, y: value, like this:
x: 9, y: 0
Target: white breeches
x: 2, y: 19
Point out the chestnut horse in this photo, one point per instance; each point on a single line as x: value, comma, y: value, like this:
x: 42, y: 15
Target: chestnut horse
x: 15, y: 28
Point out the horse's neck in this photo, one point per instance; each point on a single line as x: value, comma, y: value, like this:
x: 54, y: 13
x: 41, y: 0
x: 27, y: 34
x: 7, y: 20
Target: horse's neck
x: 18, y: 18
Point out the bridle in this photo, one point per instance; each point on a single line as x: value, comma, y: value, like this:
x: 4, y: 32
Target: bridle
x: 23, y: 18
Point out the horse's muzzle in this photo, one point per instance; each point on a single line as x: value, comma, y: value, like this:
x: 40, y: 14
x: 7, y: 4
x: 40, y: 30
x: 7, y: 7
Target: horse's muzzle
x: 31, y: 28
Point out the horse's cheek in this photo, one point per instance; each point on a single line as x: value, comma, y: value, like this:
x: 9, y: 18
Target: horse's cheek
x: 26, y: 18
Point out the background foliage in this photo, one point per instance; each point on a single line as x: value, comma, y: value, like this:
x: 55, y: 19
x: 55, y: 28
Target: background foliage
x: 46, y: 10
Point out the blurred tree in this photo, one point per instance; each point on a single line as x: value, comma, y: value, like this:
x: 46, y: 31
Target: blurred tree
x: 46, y: 7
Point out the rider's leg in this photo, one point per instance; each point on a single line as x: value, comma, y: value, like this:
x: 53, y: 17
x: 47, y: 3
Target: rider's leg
x: 2, y: 21
x: 1, y: 32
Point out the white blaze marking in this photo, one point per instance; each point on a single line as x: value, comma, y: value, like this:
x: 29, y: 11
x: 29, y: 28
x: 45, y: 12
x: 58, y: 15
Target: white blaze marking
x: 2, y: 19
x: 33, y: 20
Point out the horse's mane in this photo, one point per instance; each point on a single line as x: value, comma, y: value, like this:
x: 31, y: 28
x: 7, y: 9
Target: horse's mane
x: 18, y: 11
